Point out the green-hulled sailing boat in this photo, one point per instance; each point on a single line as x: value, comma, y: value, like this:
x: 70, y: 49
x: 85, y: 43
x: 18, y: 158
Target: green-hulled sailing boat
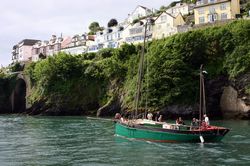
x: 149, y: 130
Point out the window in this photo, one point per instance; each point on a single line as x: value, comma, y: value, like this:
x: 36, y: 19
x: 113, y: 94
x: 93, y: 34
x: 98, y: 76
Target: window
x: 201, y: 11
x: 223, y: 16
x: 212, y: 10
x: 201, y: 20
x: 223, y: 6
x: 135, y: 30
x: 212, y: 17
x: 163, y: 18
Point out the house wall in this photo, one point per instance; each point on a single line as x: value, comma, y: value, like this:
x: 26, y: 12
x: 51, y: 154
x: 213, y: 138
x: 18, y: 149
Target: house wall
x: 75, y: 50
x: 109, y: 37
x: 25, y: 53
x: 235, y: 5
x: 133, y: 33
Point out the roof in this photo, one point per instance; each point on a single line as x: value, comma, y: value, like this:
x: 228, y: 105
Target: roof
x: 145, y: 8
x: 167, y: 14
x: 29, y: 42
x: 66, y: 42
x: 207, y: 3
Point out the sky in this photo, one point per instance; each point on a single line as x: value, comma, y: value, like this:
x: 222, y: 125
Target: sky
x: 35, y: 19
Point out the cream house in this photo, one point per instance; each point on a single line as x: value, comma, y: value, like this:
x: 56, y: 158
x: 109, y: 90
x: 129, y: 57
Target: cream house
x: 182, y: 8
x: 207, y: 11
x: 167, y: 25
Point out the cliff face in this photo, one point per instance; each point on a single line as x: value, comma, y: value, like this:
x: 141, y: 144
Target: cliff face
x: 5, y: 95
x: 235, y: 102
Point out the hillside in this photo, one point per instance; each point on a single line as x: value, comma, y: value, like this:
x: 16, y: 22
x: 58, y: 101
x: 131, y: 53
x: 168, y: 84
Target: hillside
x: 82, y: 84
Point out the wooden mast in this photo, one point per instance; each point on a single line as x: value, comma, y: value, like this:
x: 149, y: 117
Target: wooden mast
x: 202, y: 107
x: 140, y: 71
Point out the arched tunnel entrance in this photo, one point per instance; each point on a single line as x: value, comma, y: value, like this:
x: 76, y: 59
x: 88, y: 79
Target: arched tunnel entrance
x: 19, y: 97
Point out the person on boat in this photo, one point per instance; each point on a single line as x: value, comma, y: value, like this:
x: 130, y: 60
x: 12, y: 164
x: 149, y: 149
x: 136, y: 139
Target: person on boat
x: 160, y: 118
x: 157, y: 115
x: 194, y: 124
x: 150, y: 116
x: 179, y: 121
x: 118, y: 116
x: 206, y: 120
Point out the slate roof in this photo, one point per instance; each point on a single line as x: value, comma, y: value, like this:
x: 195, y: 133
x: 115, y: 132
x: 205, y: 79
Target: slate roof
x: 29, y: 42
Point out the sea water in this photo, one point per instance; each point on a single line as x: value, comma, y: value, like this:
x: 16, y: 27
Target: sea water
x: 26, y: 140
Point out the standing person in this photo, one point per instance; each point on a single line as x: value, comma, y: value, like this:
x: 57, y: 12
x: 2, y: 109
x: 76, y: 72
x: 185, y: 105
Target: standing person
x: 206, y: 120
x: 157, y: 116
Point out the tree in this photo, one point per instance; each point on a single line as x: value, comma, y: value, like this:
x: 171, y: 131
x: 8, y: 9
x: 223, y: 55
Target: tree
x: 112, y: 22
x: 16, y: 67
x: 94, y: 27
x: 163, y: 8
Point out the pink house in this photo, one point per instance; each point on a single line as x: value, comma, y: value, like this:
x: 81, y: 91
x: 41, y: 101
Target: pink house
x: 22, y: 51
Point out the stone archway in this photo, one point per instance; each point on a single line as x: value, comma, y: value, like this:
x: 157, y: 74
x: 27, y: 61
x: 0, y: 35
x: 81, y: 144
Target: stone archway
x: 19, y: 97
x: 19, y: 94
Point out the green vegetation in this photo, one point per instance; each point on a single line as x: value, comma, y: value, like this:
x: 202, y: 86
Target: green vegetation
x: 90, y: 80
x: 16, y: 67
x: 94, y: 27
x: 113, y: 22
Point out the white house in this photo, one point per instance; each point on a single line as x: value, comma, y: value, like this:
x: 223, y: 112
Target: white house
x: 77, y: 45
x: 109, y: 37
x: 139, y: 12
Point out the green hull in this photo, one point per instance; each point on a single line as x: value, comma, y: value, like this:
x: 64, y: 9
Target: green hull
x: 164, y: 135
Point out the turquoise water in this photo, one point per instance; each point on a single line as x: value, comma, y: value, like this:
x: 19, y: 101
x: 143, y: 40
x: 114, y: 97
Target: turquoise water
x: 36, y: 141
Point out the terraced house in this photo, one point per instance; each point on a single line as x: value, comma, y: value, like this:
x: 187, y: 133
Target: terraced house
x: 43, y: 49
x: 207, y: 11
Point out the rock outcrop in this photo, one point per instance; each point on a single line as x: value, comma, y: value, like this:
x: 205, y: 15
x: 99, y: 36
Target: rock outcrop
x: 232, y: 106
